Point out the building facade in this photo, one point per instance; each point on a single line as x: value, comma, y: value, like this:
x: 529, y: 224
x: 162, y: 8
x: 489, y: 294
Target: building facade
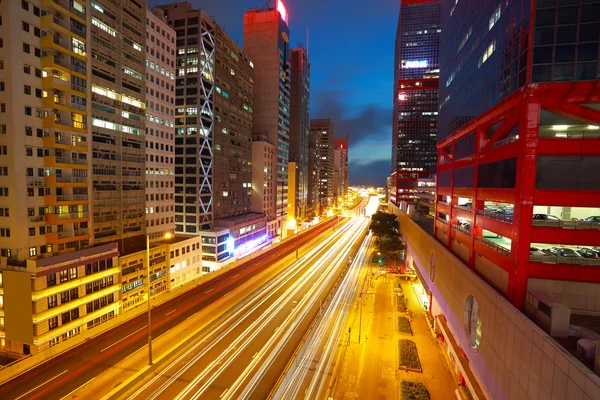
x: 340, y: 170
x: 194, y: 116
x: 232, y: 175
x: 160, y: 125
x: 321, y: 133
x: 266, y: 41
x: 299, y: 131
x: 509, y: 262
x: 118, y: 37
x: 263, y: 183
x: 416, y: 83
x: 312, y: 200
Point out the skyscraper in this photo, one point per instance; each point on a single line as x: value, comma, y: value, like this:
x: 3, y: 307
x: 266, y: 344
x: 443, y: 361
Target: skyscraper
x: 321, y: 134
x: 299, y: 130
x: 118, y: 121
x: 266, y: 41
x: 160, y: 125
x: 194, y: 117
x: 416, y: 88
x: 340, y: 169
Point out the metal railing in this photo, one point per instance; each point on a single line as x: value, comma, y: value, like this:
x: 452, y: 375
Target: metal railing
x: 72, y: 179
x: 73, y: 215
x: 463, y: 208
x: 76, y: 161
x: 462, y: 228
x: 495, y: 246
x: 444, y: 203
x: 497, y: 216
x: 566, y: 224
x: 37, y: 218
x: 508, y: 140
x: 71, y: 197
x: 548, y: 259
x: 443, y: 221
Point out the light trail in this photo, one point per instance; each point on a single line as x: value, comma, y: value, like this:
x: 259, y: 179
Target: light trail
x: 246, y: 309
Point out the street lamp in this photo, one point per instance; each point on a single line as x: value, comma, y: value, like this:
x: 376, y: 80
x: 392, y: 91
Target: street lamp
x: 167, y: 235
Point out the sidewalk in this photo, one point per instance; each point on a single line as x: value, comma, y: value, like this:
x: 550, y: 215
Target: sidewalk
x: 436, y: 375
x: 370, y: 369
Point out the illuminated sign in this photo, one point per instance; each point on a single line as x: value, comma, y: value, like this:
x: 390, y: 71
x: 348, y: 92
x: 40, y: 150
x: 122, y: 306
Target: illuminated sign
x: 282, y: 10
x: 415, y: 64
x: 249, y: 246
x: 401, y: 97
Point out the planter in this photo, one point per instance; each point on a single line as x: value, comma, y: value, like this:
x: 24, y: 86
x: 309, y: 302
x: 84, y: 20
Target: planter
x: 409, y: 358
x: 413, y: 391
x: 404, y: 326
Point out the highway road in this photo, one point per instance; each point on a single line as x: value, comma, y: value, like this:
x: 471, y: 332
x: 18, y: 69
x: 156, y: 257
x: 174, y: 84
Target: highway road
x: 65, y: 373
x: 244, y: 355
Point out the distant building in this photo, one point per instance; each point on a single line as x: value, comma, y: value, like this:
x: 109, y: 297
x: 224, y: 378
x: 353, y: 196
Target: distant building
x: 321, y: 132
x: 340, y: 170
x: 263, y: 183
x: 312, y: 200
x: 299, y: 132
x: 266, y: 41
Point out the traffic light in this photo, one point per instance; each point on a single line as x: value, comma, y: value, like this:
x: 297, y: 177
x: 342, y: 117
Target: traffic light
x: 380, y: 260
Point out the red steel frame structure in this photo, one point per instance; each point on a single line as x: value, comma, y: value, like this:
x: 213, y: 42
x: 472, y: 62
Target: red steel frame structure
x: 522, y: 110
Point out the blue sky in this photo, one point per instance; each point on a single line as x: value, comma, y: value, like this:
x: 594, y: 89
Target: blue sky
x: 351, y: 50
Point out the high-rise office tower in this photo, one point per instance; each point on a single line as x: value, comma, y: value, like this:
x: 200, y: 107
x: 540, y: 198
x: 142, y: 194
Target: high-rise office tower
x: 160, y: 125
x: 266, y: 41
x: 340, y: 170
x: 232, y: 176
x: 416, y: 91
x: 321, y: 132
x: 312, y: 200
x: 299, y: 127
x: 194, y: 116
x: 118, y: 120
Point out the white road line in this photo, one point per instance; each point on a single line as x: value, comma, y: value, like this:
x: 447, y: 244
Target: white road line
x: 170, y: 312
x: 78, y: 388
x: 228, y: 293
x: 236, y: 275
x: 208, y: 291
x: 223, y: 394
x: 39, y: 386
x: 119, y: 341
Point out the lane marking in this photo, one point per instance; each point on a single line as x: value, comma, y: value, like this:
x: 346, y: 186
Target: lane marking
x: 78, y: 388
x: 119, y: 341
x: 170, y: 312
x: 208, y: 291
x: 223, y: 394
x: 227, y: 293
x: 254, y: 356
x: 236, y: 275
x: 39, y: 386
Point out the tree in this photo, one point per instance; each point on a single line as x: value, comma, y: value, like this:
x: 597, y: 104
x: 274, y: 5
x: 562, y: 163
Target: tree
x: 384, y: 224
x: 391, y: 247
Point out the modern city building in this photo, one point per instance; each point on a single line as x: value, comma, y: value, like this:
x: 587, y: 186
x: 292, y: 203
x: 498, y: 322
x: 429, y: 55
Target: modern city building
x: 508, y: 262
x: 263, y: 183
x: 185, y: 257
x: 312, y: 200
x: 160, y: 125
x: 194, y: 116
x: 266, y: 41
x: 118, y: 60
x: 340, y: 170
x: 321, y: 134
x: 299, y: 132
x: 416, y: 91
x: 232, y: 175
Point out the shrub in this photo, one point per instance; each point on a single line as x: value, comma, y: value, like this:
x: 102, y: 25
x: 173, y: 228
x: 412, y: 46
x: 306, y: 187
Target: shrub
x: 408, y: 355
x: 402, y: 304
x: 414, y: 391
x: 404, y: 325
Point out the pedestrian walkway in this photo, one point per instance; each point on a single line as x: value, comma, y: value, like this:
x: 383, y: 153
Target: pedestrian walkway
x: 436, y: 375
x: 369, y: 369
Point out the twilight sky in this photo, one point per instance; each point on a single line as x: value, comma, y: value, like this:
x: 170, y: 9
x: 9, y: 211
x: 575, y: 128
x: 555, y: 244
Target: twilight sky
x: 351, y: 50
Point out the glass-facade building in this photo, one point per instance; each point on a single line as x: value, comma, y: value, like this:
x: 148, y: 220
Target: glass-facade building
x: 416, y: 69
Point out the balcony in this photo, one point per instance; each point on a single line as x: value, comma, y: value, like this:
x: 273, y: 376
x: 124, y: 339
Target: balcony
x: 59, y: 24
x: 55, y: 62
x: 51, y: 122
x: 37, y: 218
x: 31, y: 181
x: 71, y: 197
x: 64, y: 6
x: 72, y: 179
x: 73, y: 161
x: 73, y: 215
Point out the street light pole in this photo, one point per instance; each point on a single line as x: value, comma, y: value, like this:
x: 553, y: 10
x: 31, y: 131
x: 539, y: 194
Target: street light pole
x: 148, y: 291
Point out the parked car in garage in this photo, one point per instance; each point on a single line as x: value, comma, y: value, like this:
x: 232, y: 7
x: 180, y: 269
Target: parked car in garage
x: 588, y: 253
x: 595, y: 218
x: 545, y: 217
x: 566, y: 252
x: 535, y: 251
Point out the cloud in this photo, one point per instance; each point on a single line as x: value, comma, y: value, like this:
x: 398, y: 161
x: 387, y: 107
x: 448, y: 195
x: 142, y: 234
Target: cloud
x: 369, y: 174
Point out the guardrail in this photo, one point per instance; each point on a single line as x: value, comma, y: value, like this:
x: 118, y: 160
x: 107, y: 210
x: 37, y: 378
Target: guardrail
x: 497, y: 216
x: 443, y: 221
x: 547, y: 259
x: 495, y: 246
x: 462, y: 229
x: 566, y: 224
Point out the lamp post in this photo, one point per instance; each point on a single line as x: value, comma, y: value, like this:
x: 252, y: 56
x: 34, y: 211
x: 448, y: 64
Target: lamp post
x: 167, y: 235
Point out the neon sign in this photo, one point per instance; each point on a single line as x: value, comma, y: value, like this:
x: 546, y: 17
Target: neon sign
x: 416, y: 64
x: 279, y: 6
x: 249, y: 246
x: 401, y: 97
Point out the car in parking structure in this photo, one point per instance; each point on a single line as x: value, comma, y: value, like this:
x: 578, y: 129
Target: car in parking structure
x: 545, y: 217
x: 566, y: 252
x: 594, y: 218
x: 536, y: 251
x: 588, y: 253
